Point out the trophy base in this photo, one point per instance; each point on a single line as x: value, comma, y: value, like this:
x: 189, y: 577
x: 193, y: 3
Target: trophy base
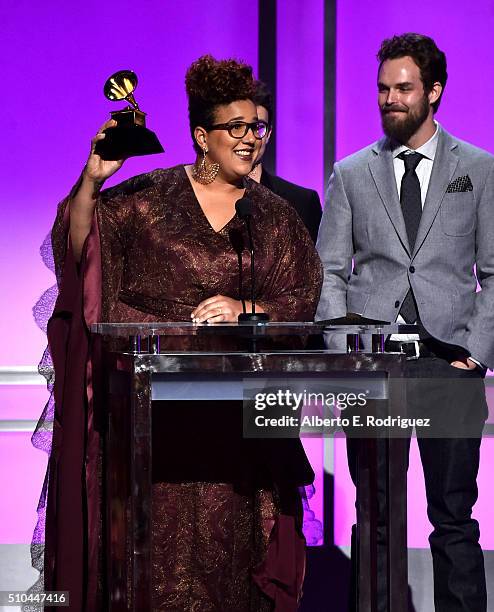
x: 123, y: 142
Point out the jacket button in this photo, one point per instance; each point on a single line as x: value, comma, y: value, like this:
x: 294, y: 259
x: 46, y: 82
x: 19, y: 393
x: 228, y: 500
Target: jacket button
x: 397, y: 303
x: 412, y: 269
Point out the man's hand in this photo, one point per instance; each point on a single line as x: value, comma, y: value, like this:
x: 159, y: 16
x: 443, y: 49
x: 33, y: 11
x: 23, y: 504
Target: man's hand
x: 464, y: 364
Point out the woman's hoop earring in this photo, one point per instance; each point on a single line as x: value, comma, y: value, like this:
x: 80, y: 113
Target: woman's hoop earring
x: 205, y: 173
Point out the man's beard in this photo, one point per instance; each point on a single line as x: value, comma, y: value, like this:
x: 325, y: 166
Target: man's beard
x: 400, y: 128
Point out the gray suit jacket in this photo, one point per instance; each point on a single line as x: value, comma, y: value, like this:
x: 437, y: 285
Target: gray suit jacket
x: 363, y: 221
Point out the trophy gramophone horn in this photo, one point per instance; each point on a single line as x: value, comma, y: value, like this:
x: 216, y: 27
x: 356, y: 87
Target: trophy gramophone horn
x: 120, y: 86
x: 130, y: 136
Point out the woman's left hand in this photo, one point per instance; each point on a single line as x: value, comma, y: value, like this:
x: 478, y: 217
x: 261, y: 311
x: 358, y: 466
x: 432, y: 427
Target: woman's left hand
x: 217, y: 309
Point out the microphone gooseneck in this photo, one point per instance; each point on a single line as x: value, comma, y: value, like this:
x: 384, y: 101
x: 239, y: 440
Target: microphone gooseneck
x: 244, y: 208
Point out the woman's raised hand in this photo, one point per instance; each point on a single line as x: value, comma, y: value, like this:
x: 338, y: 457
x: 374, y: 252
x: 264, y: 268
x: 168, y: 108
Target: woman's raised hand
x: 82, y: 205
x: 97, y: 170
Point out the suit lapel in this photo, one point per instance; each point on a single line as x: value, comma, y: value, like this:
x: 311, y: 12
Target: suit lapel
x: 445, y: 162
x: 266, y: 179
x: 382, y: 170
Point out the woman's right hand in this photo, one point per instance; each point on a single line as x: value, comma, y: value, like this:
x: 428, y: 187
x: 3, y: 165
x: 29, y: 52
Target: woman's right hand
x: 97, y: 170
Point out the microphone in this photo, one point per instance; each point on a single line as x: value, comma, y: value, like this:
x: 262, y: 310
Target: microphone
x: 244, y: 208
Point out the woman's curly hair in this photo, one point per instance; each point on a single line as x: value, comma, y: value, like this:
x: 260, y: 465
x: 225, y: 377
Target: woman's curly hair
x: 209, y: 83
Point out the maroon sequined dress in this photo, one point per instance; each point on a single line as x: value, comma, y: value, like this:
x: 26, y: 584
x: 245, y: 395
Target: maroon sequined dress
x: 220, y: 543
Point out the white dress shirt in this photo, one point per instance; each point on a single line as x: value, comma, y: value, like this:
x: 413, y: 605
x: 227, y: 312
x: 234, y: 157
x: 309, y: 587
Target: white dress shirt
x: 424, y: 167
x: 423, y: 171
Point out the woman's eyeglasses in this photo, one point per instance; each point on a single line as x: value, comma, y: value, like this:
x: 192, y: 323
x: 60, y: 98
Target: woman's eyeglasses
x: 239, y: 129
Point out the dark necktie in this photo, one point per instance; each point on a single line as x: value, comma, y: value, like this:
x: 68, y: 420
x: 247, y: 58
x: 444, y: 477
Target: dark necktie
x: 411, y: 205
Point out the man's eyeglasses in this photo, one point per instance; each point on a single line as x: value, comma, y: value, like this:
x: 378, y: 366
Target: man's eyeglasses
x: 239, y: 129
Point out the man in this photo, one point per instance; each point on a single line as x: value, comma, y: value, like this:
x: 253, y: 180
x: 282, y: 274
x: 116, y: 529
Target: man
x: 305, y: 201
x: 415, y: 212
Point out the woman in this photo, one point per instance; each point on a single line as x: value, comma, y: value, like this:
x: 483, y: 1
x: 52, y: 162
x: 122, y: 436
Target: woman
x: 165, y: 246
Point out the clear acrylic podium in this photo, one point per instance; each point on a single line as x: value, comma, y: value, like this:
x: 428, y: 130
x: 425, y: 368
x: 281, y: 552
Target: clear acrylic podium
x: 173, y: 361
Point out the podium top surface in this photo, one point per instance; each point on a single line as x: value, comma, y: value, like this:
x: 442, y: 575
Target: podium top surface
x: 246, y: 330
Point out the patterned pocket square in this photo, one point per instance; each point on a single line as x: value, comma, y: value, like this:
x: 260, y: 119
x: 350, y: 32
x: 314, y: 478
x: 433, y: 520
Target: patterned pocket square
x: 460, y: 184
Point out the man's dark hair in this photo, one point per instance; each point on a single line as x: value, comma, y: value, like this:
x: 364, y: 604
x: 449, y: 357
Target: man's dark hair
x: 263, y: 97
x: 424, y: 52
x: 210, y: 83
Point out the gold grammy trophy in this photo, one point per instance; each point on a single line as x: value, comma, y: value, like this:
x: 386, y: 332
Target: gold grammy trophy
x: 130, y: 137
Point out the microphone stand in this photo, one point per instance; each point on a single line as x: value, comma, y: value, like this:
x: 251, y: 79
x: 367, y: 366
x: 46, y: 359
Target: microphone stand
x: 252, y: 317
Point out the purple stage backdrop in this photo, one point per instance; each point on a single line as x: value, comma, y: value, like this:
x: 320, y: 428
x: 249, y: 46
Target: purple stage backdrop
x: 57, y: 57
x: 463, y: 30
x: 299, y: 104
